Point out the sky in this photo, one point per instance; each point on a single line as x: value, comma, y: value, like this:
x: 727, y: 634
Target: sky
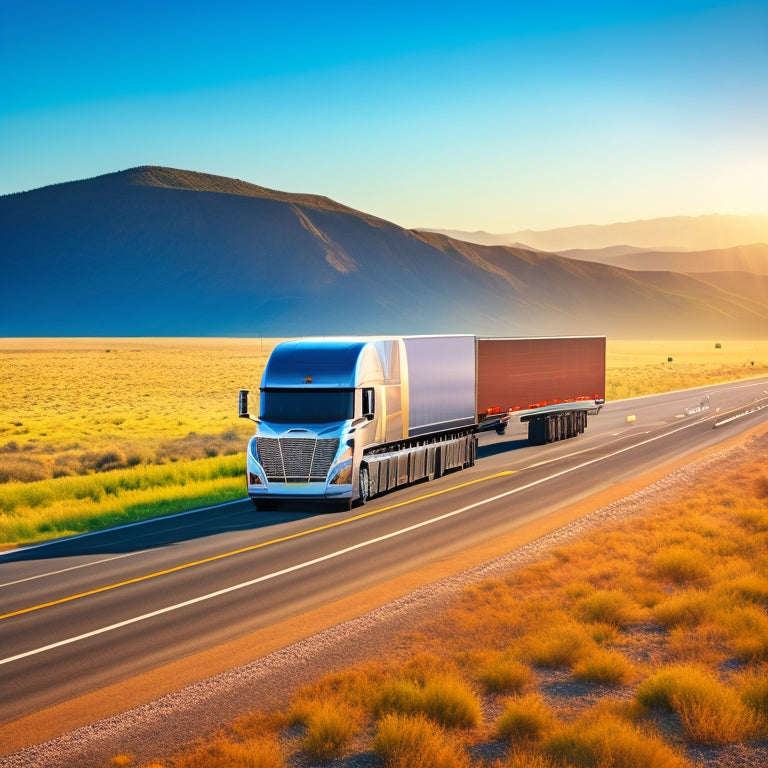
x: 495, y: 116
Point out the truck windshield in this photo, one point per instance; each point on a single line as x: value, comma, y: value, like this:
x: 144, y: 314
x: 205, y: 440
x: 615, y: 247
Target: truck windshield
x: 307, y: 406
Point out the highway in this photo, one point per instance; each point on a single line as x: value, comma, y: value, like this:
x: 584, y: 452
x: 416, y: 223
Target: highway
x: 81, y: 614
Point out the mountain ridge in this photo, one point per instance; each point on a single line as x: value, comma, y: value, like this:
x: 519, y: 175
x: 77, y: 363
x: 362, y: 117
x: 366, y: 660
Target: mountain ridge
x: 153, y: 251
x: 704, y: 232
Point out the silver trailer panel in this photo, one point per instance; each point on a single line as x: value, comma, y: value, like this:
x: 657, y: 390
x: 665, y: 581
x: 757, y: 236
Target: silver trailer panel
x: 441, y: 383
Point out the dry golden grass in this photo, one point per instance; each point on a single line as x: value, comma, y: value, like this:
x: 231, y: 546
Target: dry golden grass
x: 69, y: 403
x: 413, y: 741
x: 636, y: 368
x: 83, y: 421
x: 525, y: 718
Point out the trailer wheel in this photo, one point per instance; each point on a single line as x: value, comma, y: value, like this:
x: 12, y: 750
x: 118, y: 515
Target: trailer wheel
x: 365, y: 484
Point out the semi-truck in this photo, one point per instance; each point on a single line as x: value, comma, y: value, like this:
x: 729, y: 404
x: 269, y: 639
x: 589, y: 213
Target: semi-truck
x: 344, y: 419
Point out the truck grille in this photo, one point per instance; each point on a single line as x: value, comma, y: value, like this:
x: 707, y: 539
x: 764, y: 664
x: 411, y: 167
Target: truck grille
x: 296, y: 459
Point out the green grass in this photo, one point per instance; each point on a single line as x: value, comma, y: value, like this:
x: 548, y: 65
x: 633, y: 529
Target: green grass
x: 31, y: 512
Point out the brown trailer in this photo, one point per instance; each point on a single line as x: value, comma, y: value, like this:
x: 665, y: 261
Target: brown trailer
x: 553, y: 383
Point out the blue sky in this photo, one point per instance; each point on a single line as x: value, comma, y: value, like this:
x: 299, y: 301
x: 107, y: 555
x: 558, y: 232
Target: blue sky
x: 485, y: 115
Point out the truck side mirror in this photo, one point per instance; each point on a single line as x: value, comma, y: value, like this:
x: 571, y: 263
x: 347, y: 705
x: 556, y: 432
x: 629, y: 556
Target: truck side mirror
x: 243, y: 404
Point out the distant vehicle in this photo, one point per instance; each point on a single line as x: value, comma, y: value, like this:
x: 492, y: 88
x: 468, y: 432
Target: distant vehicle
x: 345, y: 419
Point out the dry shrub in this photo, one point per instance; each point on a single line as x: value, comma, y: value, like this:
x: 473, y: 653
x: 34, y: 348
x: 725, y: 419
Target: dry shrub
x: 681, y: 565
x: 413, y: 741
x: 710, y: 712
x: 330, y: 729
x: 559, y: 646
x: 357, y: 687
x: 525, y: 718
x: 104, y: 461
x: 688, y: 608
x: 603, y: 666
x: 761, y: 486
x: 122, y: 761
x: 748, y: 628
x: 612, y: 607
x: 22, y: 469
x: 753, y: 587
x: 525, y: 758
x: 754, y: 518
x: 753, y: 687
x: 607, y: 741
x: 714, y: 722
x: 224, y: 753
x: 444, y: 699
x: 503, y: 674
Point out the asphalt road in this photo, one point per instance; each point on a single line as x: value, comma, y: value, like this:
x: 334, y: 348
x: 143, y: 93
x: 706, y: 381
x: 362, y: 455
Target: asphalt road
x: 83, y: 613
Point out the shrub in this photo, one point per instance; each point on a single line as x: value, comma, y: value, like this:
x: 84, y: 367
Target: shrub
x: 689, y: 608
x: 559, y: 647
x: 224, y: 753
x: 710, y: 712
x: 399, y: 695
x: 523, y: 759
x: 680, y: 565
x: 748, y: 628
x: 413, y: 741
x: 609, y: 742
x: 330, y: 729
x: 445, y: 699
x: 753, y: 588
x: 612, y: 607
x: 524, y: 718
x: 22, y: 469
x: 754, y: 692
x: 603, y: 666
x: 104, y: 461
x: 504, y: 674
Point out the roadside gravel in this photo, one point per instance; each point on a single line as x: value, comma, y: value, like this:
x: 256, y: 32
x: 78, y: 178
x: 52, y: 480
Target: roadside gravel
x: 163, y: 726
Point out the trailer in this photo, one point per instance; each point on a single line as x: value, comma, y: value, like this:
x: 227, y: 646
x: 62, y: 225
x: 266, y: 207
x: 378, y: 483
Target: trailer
x: 552, y: 384
x: 345, y: 419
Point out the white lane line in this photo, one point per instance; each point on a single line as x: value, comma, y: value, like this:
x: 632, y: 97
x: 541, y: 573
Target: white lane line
x: 330, y: 556
x: 73, y: 568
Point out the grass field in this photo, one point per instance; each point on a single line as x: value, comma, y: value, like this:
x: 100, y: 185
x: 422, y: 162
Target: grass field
x: 108, y: 411
x: 642, y: 644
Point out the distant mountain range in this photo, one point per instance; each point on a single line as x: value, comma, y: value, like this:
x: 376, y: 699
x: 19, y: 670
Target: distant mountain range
x: 690, y: 233
x: 162, y: 252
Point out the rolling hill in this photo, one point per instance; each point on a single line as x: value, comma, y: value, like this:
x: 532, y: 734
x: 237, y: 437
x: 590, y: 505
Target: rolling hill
x: 161, y: 252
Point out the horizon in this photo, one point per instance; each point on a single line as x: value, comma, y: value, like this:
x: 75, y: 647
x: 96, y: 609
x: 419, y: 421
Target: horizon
x: 507, y: 119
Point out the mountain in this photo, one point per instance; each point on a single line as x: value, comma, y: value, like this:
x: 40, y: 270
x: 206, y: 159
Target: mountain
x: 687, y: 232
x: 740, y: 258
x: 162, y: 252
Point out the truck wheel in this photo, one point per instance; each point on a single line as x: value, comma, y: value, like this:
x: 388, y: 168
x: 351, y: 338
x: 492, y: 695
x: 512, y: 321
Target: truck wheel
x: 365, y: 484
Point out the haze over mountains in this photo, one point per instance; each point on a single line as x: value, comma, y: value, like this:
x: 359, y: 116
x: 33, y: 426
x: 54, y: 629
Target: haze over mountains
x: 691, y: 233
x: 161, y: 252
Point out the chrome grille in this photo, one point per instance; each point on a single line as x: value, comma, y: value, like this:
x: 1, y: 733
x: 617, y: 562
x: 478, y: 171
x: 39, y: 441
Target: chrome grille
x: 296, y: 459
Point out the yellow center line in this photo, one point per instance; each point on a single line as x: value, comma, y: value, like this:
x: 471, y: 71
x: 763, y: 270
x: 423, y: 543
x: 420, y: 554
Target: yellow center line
x: 251, y: 547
